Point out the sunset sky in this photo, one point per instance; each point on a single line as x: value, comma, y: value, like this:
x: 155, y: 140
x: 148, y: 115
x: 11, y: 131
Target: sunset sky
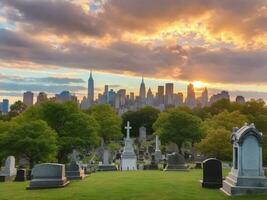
x: 51, y: 45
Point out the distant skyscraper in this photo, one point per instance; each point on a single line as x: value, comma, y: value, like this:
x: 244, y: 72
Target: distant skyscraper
x: 85, y: 104
x: 169, y: 93
x: 5, y: 106
x: 240, y: 100
x: 178, y: 99
x: 142, y: 92
x: 66, y: 96
x: 28, y: 98
x: 219, y: 96
x: 42, y: 96
x: 132, y: 96
x: 150, y: 97
x: 204, y: 97
x: 90, y: 95
x: 191, y: 96
x: 160, y: 95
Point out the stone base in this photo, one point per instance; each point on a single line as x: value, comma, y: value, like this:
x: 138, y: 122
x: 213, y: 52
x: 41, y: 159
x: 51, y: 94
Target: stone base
x: 75, y: 175
x: 106, y: 168
x: 7, y: 178
x: 244, y: 185
x: 47, y: 183
x: 176, y: 168
x: 211, y: 185
x: 20, y: 179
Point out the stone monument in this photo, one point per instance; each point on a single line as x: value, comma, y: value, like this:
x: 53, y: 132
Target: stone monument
x: 128, y: 157
x: 106, y: 166
x: 212, y: 173
x: 74, y: 171
x: 48, y: 175
x: 176, y: 162
x: 158, y: 155
x: 9, y: 172
x: 142, y: 134
x: 247, y: 174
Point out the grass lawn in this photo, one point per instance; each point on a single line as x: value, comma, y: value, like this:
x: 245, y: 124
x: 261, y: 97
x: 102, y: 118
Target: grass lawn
x: 143, y: 185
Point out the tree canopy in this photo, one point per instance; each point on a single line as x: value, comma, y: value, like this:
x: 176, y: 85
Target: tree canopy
x: 178, y: 126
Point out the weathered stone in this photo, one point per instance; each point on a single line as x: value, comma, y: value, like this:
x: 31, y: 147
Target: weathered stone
x: 176, y: 162
x: 9, y: 172
x: 21, y: 175
x: 74, y: 171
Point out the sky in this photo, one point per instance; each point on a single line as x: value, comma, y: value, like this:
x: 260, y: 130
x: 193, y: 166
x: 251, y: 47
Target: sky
x: 51, y: 45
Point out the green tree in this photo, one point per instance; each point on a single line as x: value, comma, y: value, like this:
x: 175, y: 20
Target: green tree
x: 143, y: 117
x: 178, y: 126
x: 34, y: 141
x: 17, y: 108
x: 109, y: 122
x: 218, y: 130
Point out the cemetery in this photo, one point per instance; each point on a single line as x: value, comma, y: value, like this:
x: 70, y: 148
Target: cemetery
x: 142, y: 166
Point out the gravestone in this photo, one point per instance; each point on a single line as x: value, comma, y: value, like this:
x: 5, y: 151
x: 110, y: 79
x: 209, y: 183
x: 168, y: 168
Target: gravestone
x: 29, y: 174
x: 9, y: 172
x: 247, y: 174
x: 48, y: 175
x: 172, y: 148
x: 153, y: 165
x: 106, y: 166
x: 158, y: 155
x: 128, y: 157
x: 21, y: 175
x: 212, y: 173
x: 74, y: 171
x: 142, y: 134
x: 175, y: 162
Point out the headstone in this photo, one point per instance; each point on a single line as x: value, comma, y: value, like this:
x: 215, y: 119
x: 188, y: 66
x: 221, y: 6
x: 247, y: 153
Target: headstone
x: 74, y: 171
x: 172, y: 148
x: 128, y: 157
x: 106, y: 157
x: 142, y: 134
x: 48, y: 175
x: 158, y: 155
x: 176, y: 162
x: 21, y: 175
x: 247, y: 174
x: 74, y: 156
x: 212, y: 173
x: 9, y: 172
x: 105, y: 165
x: 153, y: 165
x: 29, y: 174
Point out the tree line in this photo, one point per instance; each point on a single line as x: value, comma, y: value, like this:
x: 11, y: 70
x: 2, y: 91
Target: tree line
x: 50, y: 131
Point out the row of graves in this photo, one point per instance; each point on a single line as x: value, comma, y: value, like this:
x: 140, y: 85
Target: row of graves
x: 246, y: 175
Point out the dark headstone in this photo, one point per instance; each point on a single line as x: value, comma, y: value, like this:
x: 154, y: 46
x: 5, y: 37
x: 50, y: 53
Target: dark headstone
x: 176, y: 162
x: 48, y: 175
x: 21, y: 175
x: 74, y: 171
x: 212, y: 173
x: 153, y: 165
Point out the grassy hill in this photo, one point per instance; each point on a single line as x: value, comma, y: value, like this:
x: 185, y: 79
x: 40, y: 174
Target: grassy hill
x: 143, y: 185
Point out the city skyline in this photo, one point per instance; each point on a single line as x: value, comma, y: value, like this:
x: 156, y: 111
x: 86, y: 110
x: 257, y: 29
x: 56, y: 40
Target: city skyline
x: 51, y: 46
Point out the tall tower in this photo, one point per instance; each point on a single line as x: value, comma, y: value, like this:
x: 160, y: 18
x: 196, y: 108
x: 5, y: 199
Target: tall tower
x: 142, y: 92
x: 90, y: 95
x: 191, y: 96
x: 169, y: 93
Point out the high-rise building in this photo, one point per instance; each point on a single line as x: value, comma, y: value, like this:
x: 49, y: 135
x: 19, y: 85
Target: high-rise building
x: 190, y: 100
x: 5, y: 106
x: 85, y: 104
x: 120, y: 98
x: 240, y: 100
x: 142, y: 92
x: 42, y: 96
x: 90, y: 95
x: 204, y: 99
x: 132, y: 96
x: 169, y: 93
x: 178, y: 99
x: 111, y: 97
x: 160, y: 95
x: 219, y: 96
x: 150, y: 97
x: 66, y: 96
x: 28, y: 98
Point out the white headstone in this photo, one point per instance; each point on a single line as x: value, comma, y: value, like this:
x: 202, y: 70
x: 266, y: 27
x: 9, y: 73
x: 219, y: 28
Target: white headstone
x: 142, y: 133
x: 9, y: 169
x: 158, y: 155
x: 128, y: 157
x: 247, y: 174
x: 106, y: 157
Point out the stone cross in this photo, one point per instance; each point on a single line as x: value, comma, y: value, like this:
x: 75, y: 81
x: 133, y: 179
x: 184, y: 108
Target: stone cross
x: 128, y: 128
